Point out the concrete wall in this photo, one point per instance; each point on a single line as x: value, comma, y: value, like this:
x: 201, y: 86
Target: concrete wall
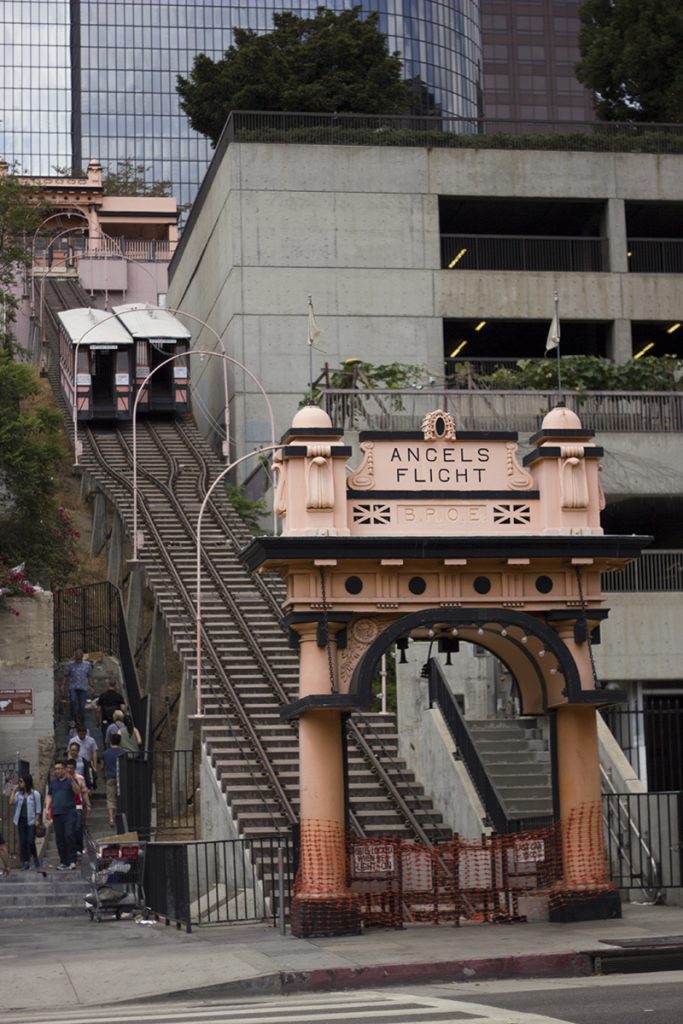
x: 641, y: 639
x: 358, y: 228
x: 426, y: 745
x: 26, y: 662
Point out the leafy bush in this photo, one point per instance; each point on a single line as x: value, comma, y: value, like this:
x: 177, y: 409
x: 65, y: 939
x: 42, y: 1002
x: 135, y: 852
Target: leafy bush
x: 587, y: 373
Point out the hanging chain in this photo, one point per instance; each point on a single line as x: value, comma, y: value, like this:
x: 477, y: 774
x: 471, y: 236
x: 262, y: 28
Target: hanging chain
x: 326, y: 626
x: 596, y: 681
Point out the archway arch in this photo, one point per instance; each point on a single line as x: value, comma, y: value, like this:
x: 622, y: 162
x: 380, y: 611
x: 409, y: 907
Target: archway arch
x: 531, y: 650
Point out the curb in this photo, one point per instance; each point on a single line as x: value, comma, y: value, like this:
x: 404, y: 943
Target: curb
x: 535, y: 965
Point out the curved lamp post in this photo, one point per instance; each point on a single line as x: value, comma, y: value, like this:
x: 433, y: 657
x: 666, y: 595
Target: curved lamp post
x: 198, y: 599
x: 137, y: 541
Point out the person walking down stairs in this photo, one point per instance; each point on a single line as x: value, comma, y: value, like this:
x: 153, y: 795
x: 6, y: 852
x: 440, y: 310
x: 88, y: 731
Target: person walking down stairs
x: 77, y: 672
x: 27, y: 818
x: 62, y: 791
x: 110, y: 758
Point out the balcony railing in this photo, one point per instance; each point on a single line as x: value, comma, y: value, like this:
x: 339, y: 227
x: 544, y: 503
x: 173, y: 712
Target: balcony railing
x: 445, y: 131
x: 143, y: 250
x: 603, y: 411
x: 655, y: 572
x: 655, y: 255
x: 559, y: 253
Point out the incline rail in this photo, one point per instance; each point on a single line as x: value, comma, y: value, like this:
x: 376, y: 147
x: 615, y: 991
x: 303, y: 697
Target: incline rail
x: 230, y: 693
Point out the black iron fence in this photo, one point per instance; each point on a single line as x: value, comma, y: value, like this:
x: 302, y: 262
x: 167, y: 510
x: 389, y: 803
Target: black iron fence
x: 224, y: 881
x: 654, y: 572
x: 655, y: 255
x: 644, y: 838
x: 157, y: 794
x: 523, y: 252
x: 637, y: 412
x: 86, y: 617
x: 651, y: 737
x: 441, y: 131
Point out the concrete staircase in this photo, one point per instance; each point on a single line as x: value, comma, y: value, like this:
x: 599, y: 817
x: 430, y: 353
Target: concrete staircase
x: 42, y: 894
x: 517, y: 760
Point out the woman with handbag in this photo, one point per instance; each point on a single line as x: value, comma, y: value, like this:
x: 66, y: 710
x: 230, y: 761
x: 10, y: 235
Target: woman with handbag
x: 28, y: 818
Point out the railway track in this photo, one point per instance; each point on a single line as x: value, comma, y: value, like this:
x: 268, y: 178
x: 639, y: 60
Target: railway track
x: 248, y: 672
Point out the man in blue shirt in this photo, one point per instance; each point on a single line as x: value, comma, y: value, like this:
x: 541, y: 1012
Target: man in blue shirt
x: 62, y: 791
x: 77, y: 672
x: 110, y: 759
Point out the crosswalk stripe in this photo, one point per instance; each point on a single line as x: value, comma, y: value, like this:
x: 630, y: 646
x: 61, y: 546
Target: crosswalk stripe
x: 346, y: 1008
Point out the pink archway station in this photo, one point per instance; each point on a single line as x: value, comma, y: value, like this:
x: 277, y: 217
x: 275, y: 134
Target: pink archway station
x: 443, y: 533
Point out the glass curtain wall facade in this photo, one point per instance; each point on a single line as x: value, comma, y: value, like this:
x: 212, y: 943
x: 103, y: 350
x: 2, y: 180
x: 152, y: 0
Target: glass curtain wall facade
x: 35, y: 85
x: 96, y: 78
x: 531, y: 48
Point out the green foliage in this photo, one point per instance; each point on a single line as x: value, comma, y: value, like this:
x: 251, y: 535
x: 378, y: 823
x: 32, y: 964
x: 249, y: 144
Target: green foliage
x: 600, y: 140
x: 586, y: 373
x: 330, y: 62
x: 632, y: 59
x: 355, y: 373
x: 20, y: 214
x: 129, y: 179
x: 33, y: 529
x: 250, y: 510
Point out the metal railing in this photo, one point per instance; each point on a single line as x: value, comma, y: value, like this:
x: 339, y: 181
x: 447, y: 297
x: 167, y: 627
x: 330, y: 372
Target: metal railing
x: 644, y: 840
x: 652, y: 740
x: 655, y: 255
x: 227, y: 881
x: 447, y: 131
x: 440, y: 696
x: 157, y: 792
x: 86, y: 617
x: 523, y: 252
x: 93, y: 618
x: 654, y: 572
x: 53, y: 255
x: 602, y: 411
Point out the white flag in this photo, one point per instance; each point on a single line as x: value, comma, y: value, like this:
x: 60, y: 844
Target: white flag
x: 313, y: 329
x: 553, y: 339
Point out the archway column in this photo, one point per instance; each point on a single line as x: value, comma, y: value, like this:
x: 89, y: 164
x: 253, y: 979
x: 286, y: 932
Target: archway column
x: 585, y: 891
x: 322, y: 904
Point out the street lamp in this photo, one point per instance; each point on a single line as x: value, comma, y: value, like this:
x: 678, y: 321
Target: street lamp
x: 198, y: 599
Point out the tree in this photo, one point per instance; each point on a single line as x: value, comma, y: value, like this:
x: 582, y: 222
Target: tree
x: 129, y: 180
x: 632, y: 58
x: 332, y: 62
x: 21, y: 211
x: 33, y: 529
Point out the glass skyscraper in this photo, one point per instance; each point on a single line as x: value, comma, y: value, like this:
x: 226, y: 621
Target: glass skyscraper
x: 96, y: 78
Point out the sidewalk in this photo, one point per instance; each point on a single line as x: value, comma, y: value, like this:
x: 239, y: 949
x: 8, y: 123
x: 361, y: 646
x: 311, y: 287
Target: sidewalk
x: 74, y: 962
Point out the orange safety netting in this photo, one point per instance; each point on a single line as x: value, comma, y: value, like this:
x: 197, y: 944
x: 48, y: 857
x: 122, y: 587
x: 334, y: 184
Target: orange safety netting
x: 497, y: 878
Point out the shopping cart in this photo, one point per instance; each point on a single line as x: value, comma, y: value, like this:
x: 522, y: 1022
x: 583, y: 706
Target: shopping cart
x: 115, y: 871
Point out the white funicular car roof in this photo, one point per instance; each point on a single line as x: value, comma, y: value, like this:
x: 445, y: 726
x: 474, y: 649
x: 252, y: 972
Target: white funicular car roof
x: 94, y: 327
x: 144, y: 321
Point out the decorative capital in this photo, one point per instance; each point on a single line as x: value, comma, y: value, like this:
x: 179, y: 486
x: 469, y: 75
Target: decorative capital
x: 438, y: 426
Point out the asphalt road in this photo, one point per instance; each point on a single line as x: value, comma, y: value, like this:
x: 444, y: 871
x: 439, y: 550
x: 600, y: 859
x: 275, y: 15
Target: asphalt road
x: 634, y: 999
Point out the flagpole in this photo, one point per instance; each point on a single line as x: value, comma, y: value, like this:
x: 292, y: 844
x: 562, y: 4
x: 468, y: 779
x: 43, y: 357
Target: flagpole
x: 310, y: 352
x: 559, y: 371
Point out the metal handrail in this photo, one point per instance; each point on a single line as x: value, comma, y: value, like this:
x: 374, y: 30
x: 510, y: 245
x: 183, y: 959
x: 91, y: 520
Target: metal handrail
x: 653, y: 892
x: 441, y: 696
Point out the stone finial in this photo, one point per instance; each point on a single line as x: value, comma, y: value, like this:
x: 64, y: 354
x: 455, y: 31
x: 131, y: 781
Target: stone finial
x: 94, y: 172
